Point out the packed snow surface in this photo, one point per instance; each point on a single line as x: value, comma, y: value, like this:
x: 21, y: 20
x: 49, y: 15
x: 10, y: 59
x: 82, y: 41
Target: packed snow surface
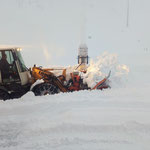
x: 112, y: 119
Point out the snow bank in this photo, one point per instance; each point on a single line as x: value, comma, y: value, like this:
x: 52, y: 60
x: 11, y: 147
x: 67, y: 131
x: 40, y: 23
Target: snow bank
x: 115, y: 118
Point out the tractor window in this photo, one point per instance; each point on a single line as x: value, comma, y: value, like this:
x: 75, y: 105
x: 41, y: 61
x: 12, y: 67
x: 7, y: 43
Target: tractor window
x: 8, y: 67
x: 11, y: 61
x: 10, y: 58
x: 21, y: 62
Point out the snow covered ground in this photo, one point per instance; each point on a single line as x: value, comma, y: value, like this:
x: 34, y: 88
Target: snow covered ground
x: 113, y: 119
x: 108, y: 120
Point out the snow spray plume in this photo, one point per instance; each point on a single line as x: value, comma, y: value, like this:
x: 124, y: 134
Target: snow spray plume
x: 83, y: 30
x: 83, y: 21
x: 99, y: 68
x: 46, y: 52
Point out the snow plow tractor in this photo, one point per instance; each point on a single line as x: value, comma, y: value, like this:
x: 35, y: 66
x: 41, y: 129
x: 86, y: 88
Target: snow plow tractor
x: 16, y: 79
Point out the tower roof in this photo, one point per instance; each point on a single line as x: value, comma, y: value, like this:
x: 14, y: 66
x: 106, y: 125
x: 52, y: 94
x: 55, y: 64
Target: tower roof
x: 83, y: 46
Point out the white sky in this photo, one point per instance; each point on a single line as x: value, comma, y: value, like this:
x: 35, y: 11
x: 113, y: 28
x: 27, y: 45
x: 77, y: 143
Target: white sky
x: 50, y: 31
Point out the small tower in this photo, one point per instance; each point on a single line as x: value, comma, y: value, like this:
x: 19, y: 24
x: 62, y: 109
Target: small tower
x: 83, y: 57
x: 83, y: 54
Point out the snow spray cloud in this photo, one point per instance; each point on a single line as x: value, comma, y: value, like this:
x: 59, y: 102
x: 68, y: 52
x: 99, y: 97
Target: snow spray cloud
x: 83, y: 30
x: 83, y: 22
x: 46, y: 52
x: 50, y: 50
x: 100, y: 68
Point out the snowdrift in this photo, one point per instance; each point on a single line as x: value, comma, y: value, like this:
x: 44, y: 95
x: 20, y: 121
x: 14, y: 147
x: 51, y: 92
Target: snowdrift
x: 116, y: 118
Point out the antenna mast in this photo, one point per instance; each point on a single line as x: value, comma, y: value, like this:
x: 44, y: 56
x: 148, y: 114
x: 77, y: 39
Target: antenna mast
x: 127, y: 13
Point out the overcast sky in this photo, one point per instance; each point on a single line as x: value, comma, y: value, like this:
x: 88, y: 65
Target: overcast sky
x: 50, y: 31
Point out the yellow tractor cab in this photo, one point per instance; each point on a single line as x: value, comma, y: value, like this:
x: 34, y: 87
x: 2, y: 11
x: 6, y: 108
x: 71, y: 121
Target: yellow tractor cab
x: 15, y: 78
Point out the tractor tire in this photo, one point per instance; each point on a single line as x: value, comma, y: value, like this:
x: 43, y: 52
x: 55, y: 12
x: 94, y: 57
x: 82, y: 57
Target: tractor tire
x: 44, y: 89
x: 4, y: 95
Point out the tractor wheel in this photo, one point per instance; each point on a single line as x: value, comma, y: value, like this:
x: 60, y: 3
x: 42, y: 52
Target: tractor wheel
x: 44, y: 89
x: 4, y: 95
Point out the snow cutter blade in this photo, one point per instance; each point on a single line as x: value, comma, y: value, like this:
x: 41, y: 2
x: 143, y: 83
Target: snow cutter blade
x: 102, y: 84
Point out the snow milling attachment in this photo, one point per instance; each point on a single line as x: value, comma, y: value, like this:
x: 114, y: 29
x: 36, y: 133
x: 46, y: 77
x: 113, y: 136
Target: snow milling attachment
x: 41, y: 88
x: 103, y: 84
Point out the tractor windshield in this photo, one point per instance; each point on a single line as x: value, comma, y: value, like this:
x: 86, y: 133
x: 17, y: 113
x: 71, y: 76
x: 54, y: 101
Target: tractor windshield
x: 21, y: 62
x: 8, y: 68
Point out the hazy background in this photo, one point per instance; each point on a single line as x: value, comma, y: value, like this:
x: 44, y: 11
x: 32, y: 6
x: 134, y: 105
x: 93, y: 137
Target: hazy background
x: 50, y: 31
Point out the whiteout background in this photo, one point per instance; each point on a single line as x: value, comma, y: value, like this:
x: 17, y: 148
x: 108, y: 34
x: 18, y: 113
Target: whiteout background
x: 50, y: 33
x: 52, y: 30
